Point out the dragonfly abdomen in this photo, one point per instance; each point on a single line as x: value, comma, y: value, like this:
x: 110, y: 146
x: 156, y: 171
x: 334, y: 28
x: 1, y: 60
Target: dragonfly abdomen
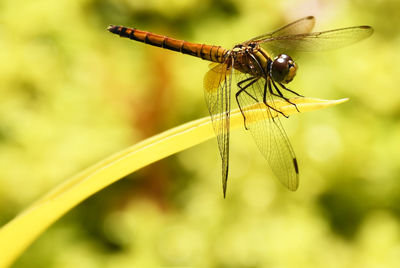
x: 206, y: 52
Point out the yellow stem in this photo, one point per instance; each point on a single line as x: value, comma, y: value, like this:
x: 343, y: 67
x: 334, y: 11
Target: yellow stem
x: 20, y: 232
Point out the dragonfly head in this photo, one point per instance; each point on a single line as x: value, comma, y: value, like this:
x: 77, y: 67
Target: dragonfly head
x: 283, y: 69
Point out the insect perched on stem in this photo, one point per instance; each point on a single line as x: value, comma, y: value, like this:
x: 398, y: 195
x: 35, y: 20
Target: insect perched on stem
x: 261, y: 67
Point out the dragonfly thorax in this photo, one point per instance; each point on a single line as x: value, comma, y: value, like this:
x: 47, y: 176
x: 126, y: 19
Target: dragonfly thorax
x: 283, y: 69
x: 251, y: 59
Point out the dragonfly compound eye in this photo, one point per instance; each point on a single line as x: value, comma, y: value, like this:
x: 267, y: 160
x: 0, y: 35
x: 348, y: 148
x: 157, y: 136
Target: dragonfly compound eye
x: 283, y: 69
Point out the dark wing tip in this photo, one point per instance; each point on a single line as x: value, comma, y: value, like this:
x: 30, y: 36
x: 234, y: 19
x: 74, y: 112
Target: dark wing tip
x: 293, y: 185
x: 225, y: 170
x: 310, y: 17
x: 224, y: 187
x: 368, y: 28
x: 296, y: 166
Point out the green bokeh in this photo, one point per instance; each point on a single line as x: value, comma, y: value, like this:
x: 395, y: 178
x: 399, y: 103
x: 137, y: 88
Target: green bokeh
x: 71, y: 93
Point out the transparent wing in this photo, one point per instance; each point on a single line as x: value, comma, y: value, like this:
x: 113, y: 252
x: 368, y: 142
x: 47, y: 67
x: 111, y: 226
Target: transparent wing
x: 316, y: 41
x: 217, y: 87
x: 268, y: 133
x: 303, y: 25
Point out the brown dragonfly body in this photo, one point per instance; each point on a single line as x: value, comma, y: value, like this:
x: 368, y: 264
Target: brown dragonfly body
x: 261, y: 67
x: 206, y: 52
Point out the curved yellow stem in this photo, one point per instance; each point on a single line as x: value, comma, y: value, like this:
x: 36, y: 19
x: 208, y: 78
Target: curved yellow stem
x: 20, y: 232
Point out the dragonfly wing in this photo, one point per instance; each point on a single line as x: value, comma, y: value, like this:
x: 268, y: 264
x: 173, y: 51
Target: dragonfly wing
x: 303, y: 25
x: 269, y: 134
x: 316, y: 41
x: 217, y: 87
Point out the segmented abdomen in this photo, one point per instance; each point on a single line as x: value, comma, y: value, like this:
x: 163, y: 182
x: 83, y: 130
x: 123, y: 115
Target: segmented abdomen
x: 206, y: 52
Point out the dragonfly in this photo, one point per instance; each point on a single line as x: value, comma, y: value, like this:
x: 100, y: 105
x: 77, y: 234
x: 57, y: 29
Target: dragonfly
x: 260, y: 68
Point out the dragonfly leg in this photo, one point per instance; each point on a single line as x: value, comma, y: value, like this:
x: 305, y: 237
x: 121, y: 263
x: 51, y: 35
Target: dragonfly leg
x: 285, y: 88
x: 266, y: 86
x: 243, y: 89
x: 281, y: 95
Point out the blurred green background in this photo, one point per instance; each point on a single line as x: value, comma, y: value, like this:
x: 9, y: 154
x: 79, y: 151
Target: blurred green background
x: 71, y: 94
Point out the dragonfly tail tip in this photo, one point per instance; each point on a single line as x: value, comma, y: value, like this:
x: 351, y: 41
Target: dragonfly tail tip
x: 111, y: 28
